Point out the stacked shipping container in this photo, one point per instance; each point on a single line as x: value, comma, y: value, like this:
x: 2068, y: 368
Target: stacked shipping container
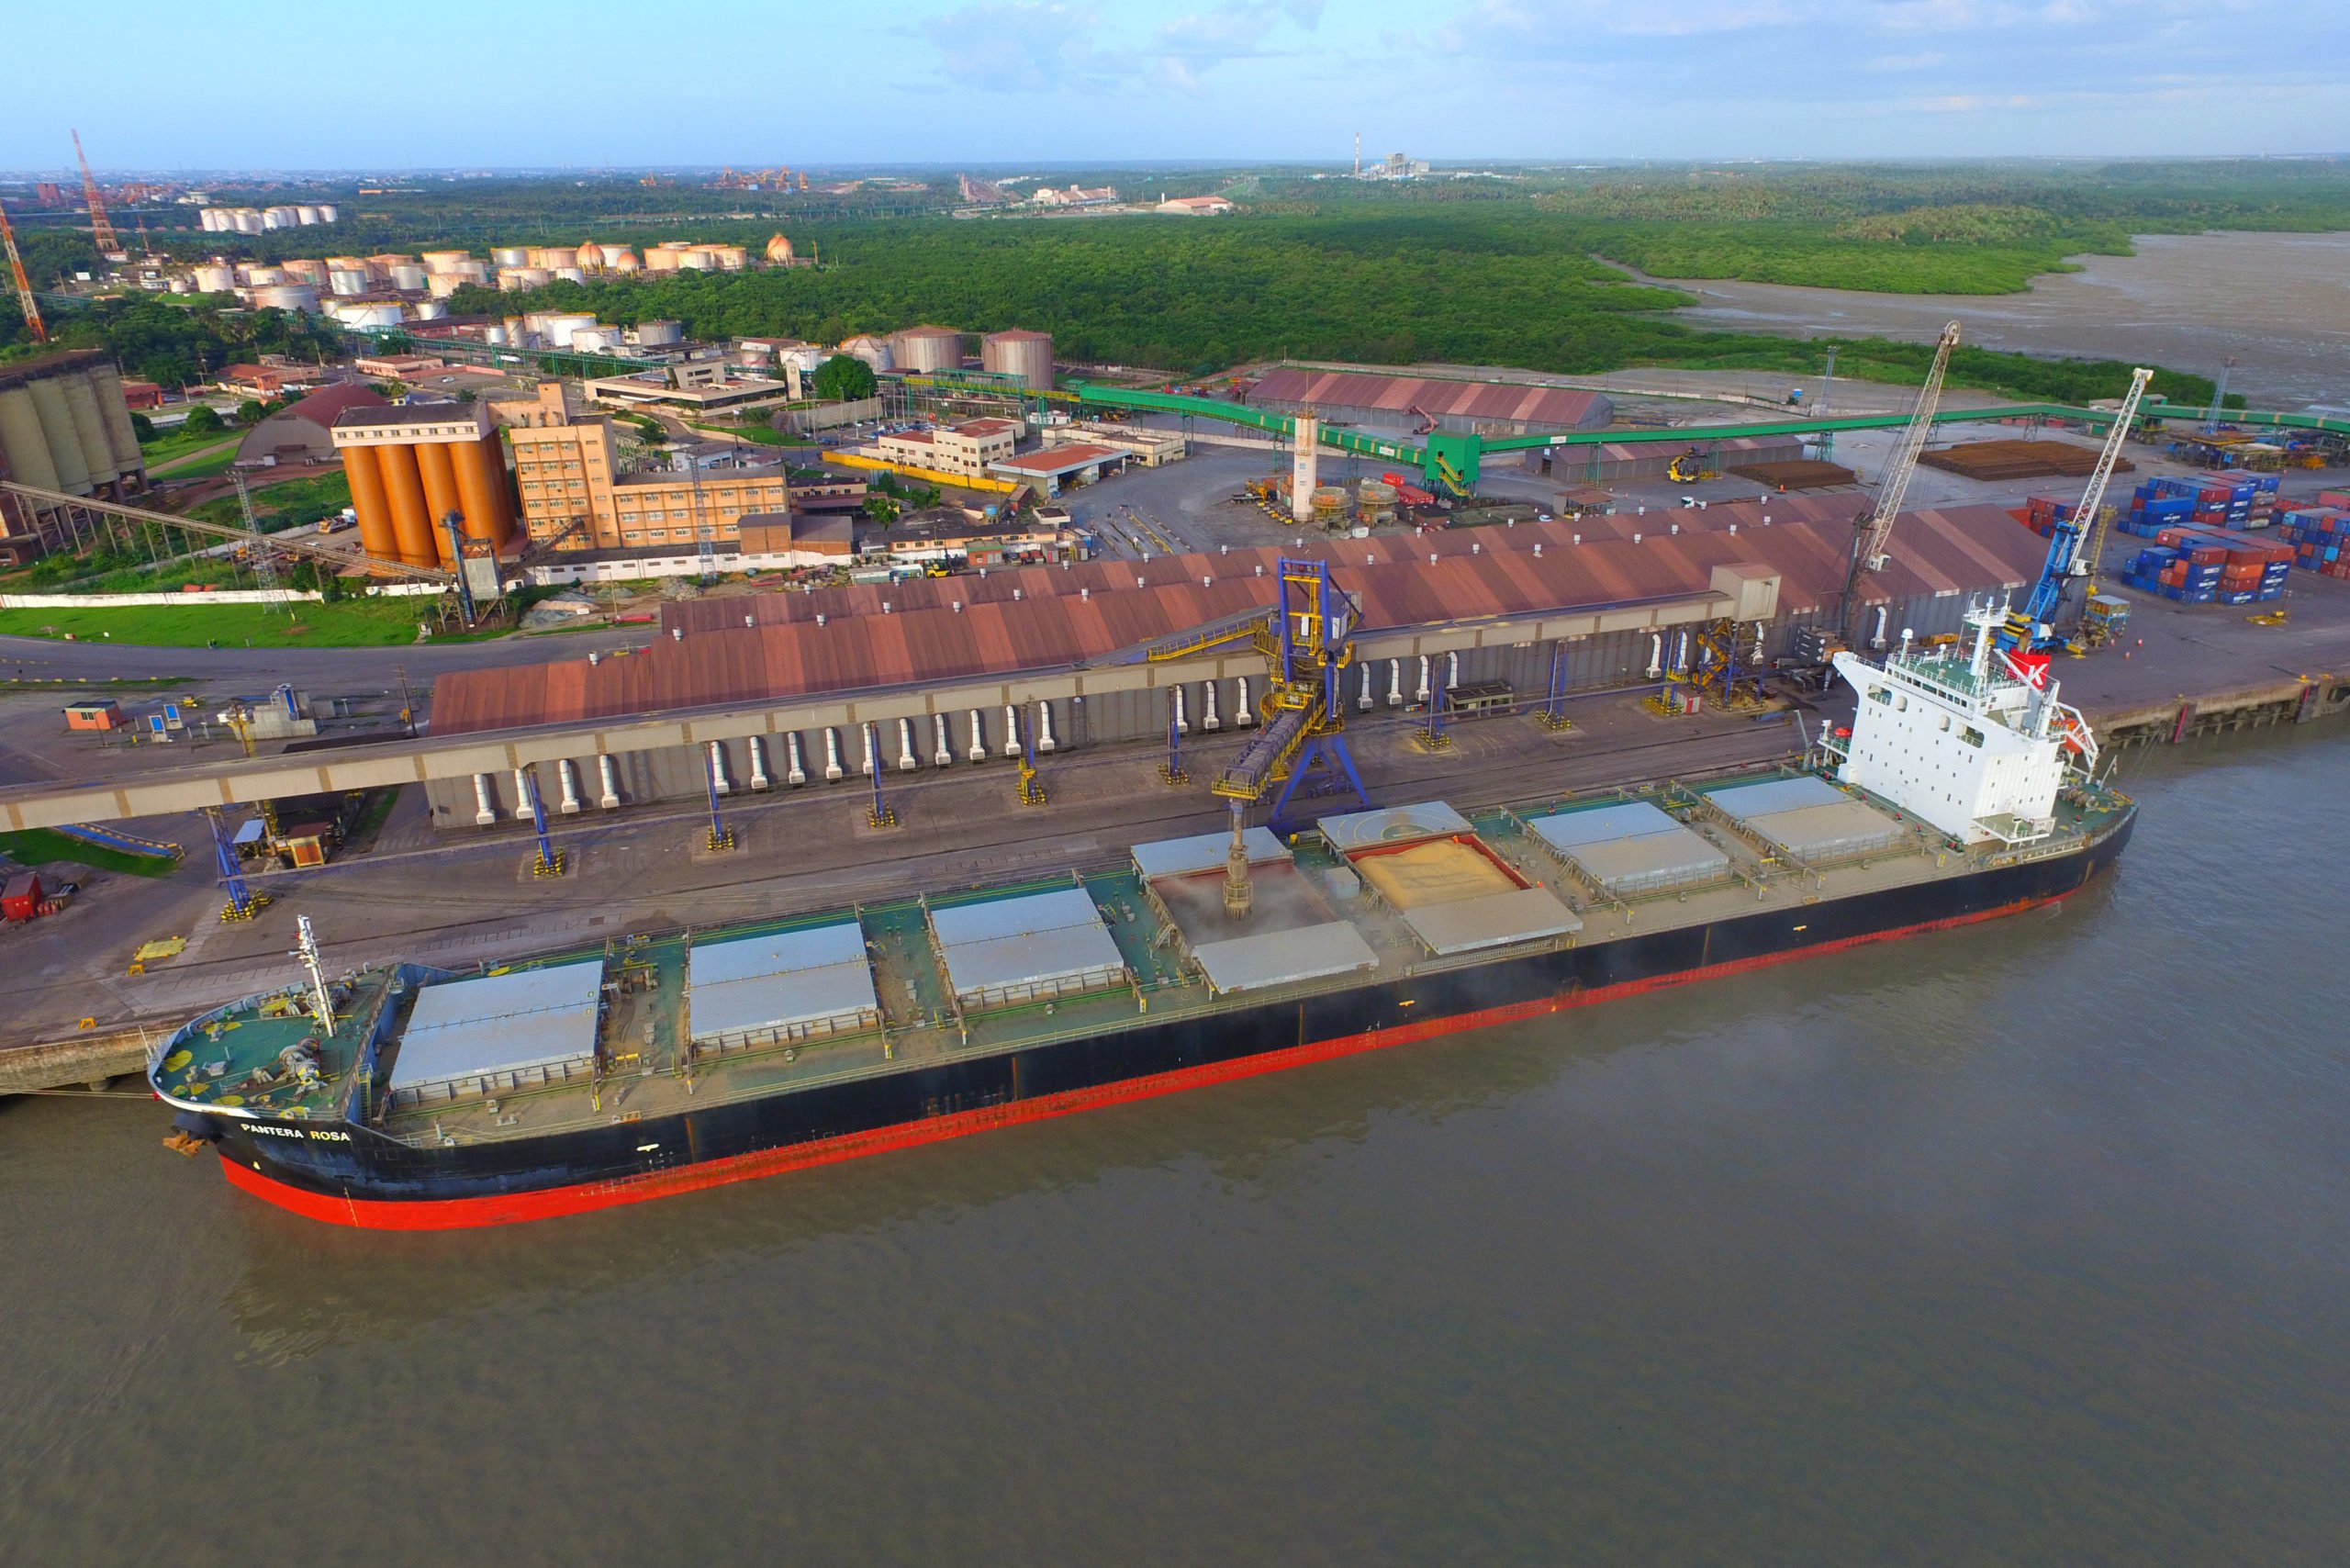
x: 2320, y: 536
x: 2231, y: 501
x: 2202, y: 565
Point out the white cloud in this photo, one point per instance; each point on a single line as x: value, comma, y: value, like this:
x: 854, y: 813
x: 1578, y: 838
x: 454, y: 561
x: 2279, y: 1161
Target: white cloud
x: 1018, y: 46
x: 1886, y: 63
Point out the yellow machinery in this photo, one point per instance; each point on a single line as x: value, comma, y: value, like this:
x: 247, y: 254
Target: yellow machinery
x: 1727, y: 675
x: 1690, y: 467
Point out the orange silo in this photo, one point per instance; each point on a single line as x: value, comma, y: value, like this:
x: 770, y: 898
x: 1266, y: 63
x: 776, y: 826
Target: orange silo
x: 404, y: 484
x: 481, y: 479
x: 367, y: 498
x: 442, y: 496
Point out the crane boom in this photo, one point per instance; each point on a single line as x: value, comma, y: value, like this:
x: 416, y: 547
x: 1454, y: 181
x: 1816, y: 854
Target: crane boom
x: 2073, y: 544
x: 1874, y: 530
x: 24, y: 287
x: 101, y: 227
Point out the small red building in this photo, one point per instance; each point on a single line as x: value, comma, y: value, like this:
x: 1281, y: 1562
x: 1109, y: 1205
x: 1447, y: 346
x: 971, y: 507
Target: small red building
x: 21, y: 900
x: 106, y: 715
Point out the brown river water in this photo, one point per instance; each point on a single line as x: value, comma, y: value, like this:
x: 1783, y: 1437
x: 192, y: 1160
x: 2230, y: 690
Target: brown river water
x: 2028, y: 1243
x: 2278, y: 303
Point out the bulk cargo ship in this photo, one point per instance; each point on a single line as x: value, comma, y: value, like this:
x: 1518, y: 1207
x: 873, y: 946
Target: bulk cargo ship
x: 409, y: 1097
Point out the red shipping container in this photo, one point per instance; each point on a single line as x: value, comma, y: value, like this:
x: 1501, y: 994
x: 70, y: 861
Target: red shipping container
x: 21, y: 898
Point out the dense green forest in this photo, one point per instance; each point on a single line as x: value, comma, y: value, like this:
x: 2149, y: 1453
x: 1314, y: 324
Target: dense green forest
x: 1517, y: 265
x: 1472, y: 285
x: 174, y: 344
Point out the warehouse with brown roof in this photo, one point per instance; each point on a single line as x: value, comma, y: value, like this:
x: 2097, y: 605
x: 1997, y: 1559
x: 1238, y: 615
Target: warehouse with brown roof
x: 1409, y: 402
x: 1602, y: 596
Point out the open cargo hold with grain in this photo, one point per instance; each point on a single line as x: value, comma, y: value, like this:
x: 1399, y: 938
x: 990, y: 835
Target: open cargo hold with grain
x: 1803, y: 474
x: 2019, y: 460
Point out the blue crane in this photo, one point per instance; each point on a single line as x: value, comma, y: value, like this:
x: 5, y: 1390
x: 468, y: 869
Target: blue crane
x: 2031, y: 625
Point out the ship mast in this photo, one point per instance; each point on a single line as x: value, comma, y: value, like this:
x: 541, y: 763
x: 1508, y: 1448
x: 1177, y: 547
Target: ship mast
x: 321, y: 1001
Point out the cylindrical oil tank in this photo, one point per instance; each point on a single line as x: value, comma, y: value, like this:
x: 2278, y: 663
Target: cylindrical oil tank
x: 481, y: 487
x: 120, y: 433
x: 553, y: 256
x: 429, y: 309
x: 264, y: 277
x: 90, y: 429
x: 411, y: 523
x: 306, y: 269
x: 621, y: 259
x: 875, y: 352
x: 288, y: 297
x: 523, y: 277
x: 571, y: 274
x: 494, y: 336
x: 659, y: 335
x: 510, y: 256
x: 1028, y: 355
x: 697, y: 259
x: 440, y: 497
x: 731, y: 258
x: 442, y: 285
x: 378, y: 313
x: 657, y: 260
x: 57, y: 430
x: 376, y: 534
x: 347, y: 281
x: 443, y: 261
x: 306, y: 212
x: 215, y: 277
x: 21, y: 441
x: 557, y: 326
x: 929, y: 348
x: 409, y: 275
x: 328, y: 212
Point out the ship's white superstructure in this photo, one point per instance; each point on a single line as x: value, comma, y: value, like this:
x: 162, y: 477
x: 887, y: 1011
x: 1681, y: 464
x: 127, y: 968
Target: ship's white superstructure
x: 1971, y: 740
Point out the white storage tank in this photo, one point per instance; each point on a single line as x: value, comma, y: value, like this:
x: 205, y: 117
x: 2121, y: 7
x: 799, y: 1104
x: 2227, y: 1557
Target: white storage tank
x: 571, y: 274
x: 929, y: 348
x: 327, y: 213
x: 731, y: 258
x: 443, y: 261
x: 246, y: 220
x: 621, y: 259
x: 510, y: 256
x: 306, y: 212
x: 215, y: 277
x: 596, y: 339
x: 345, y: 282
x: 553, y: 256
x: 557, y: 326
x: 875, y: 352
x: 494, y: 336
x: 287, y: 296
x: 384, y: 313
x: 1028, y: 355
x: 306, y: 269
x: 409, y: 276
x: 264, y: 277
x: 659, y: 335
x: 429, y: 309
x: 442, y: 285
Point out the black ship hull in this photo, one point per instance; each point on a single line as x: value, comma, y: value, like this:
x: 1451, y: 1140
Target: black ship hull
x: 351, y: 1174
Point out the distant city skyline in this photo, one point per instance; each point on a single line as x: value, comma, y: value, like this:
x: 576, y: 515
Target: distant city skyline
x: 1070, y: 84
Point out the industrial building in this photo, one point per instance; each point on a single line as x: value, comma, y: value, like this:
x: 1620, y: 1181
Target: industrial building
x: 1055, y: 468
x: 304, y: 431
x: 970, y: 450
x: 411, y: 467
x: 1152, y: 446
x: 574, y: 496
x: 1028, y: 355
x: 785, y: 689
x: 63, y: 427
x: 1408, y: 402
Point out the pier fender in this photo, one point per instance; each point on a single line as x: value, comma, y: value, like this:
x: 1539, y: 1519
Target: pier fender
x: 196, y: 1125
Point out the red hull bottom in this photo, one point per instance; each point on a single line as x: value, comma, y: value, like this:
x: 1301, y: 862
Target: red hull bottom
x: 459, y: 1213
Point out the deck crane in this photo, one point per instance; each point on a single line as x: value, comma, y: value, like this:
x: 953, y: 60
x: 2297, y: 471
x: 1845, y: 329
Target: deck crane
x: 1869, y: 534
x: 2073, y: 544
x: 24, y: 301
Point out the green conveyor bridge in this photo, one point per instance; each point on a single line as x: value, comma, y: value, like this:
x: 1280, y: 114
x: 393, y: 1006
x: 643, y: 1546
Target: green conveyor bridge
x: 1451, y: 460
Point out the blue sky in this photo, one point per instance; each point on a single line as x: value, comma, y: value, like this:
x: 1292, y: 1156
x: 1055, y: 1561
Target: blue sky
x: 592, y: 83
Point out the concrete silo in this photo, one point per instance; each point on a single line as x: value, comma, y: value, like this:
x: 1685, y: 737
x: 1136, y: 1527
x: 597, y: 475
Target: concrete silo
x: 1028, y: 355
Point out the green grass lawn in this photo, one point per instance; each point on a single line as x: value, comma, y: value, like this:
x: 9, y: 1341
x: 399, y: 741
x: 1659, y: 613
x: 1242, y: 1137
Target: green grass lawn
x: 287, y: 504
x: 204, y: 467
x: 349, y: 623
x: 173, y: 445
x: 42, y: 846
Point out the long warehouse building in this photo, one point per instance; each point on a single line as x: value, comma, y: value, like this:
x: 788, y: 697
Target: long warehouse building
x: 1407, y: 402
x: 921, y: 674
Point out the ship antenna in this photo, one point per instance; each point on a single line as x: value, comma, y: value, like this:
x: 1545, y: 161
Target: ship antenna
x: 307, y: 950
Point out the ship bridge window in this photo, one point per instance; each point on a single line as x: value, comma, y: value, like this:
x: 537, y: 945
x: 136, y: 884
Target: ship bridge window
x: 1971, y: 735
x: 1879, y: 694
